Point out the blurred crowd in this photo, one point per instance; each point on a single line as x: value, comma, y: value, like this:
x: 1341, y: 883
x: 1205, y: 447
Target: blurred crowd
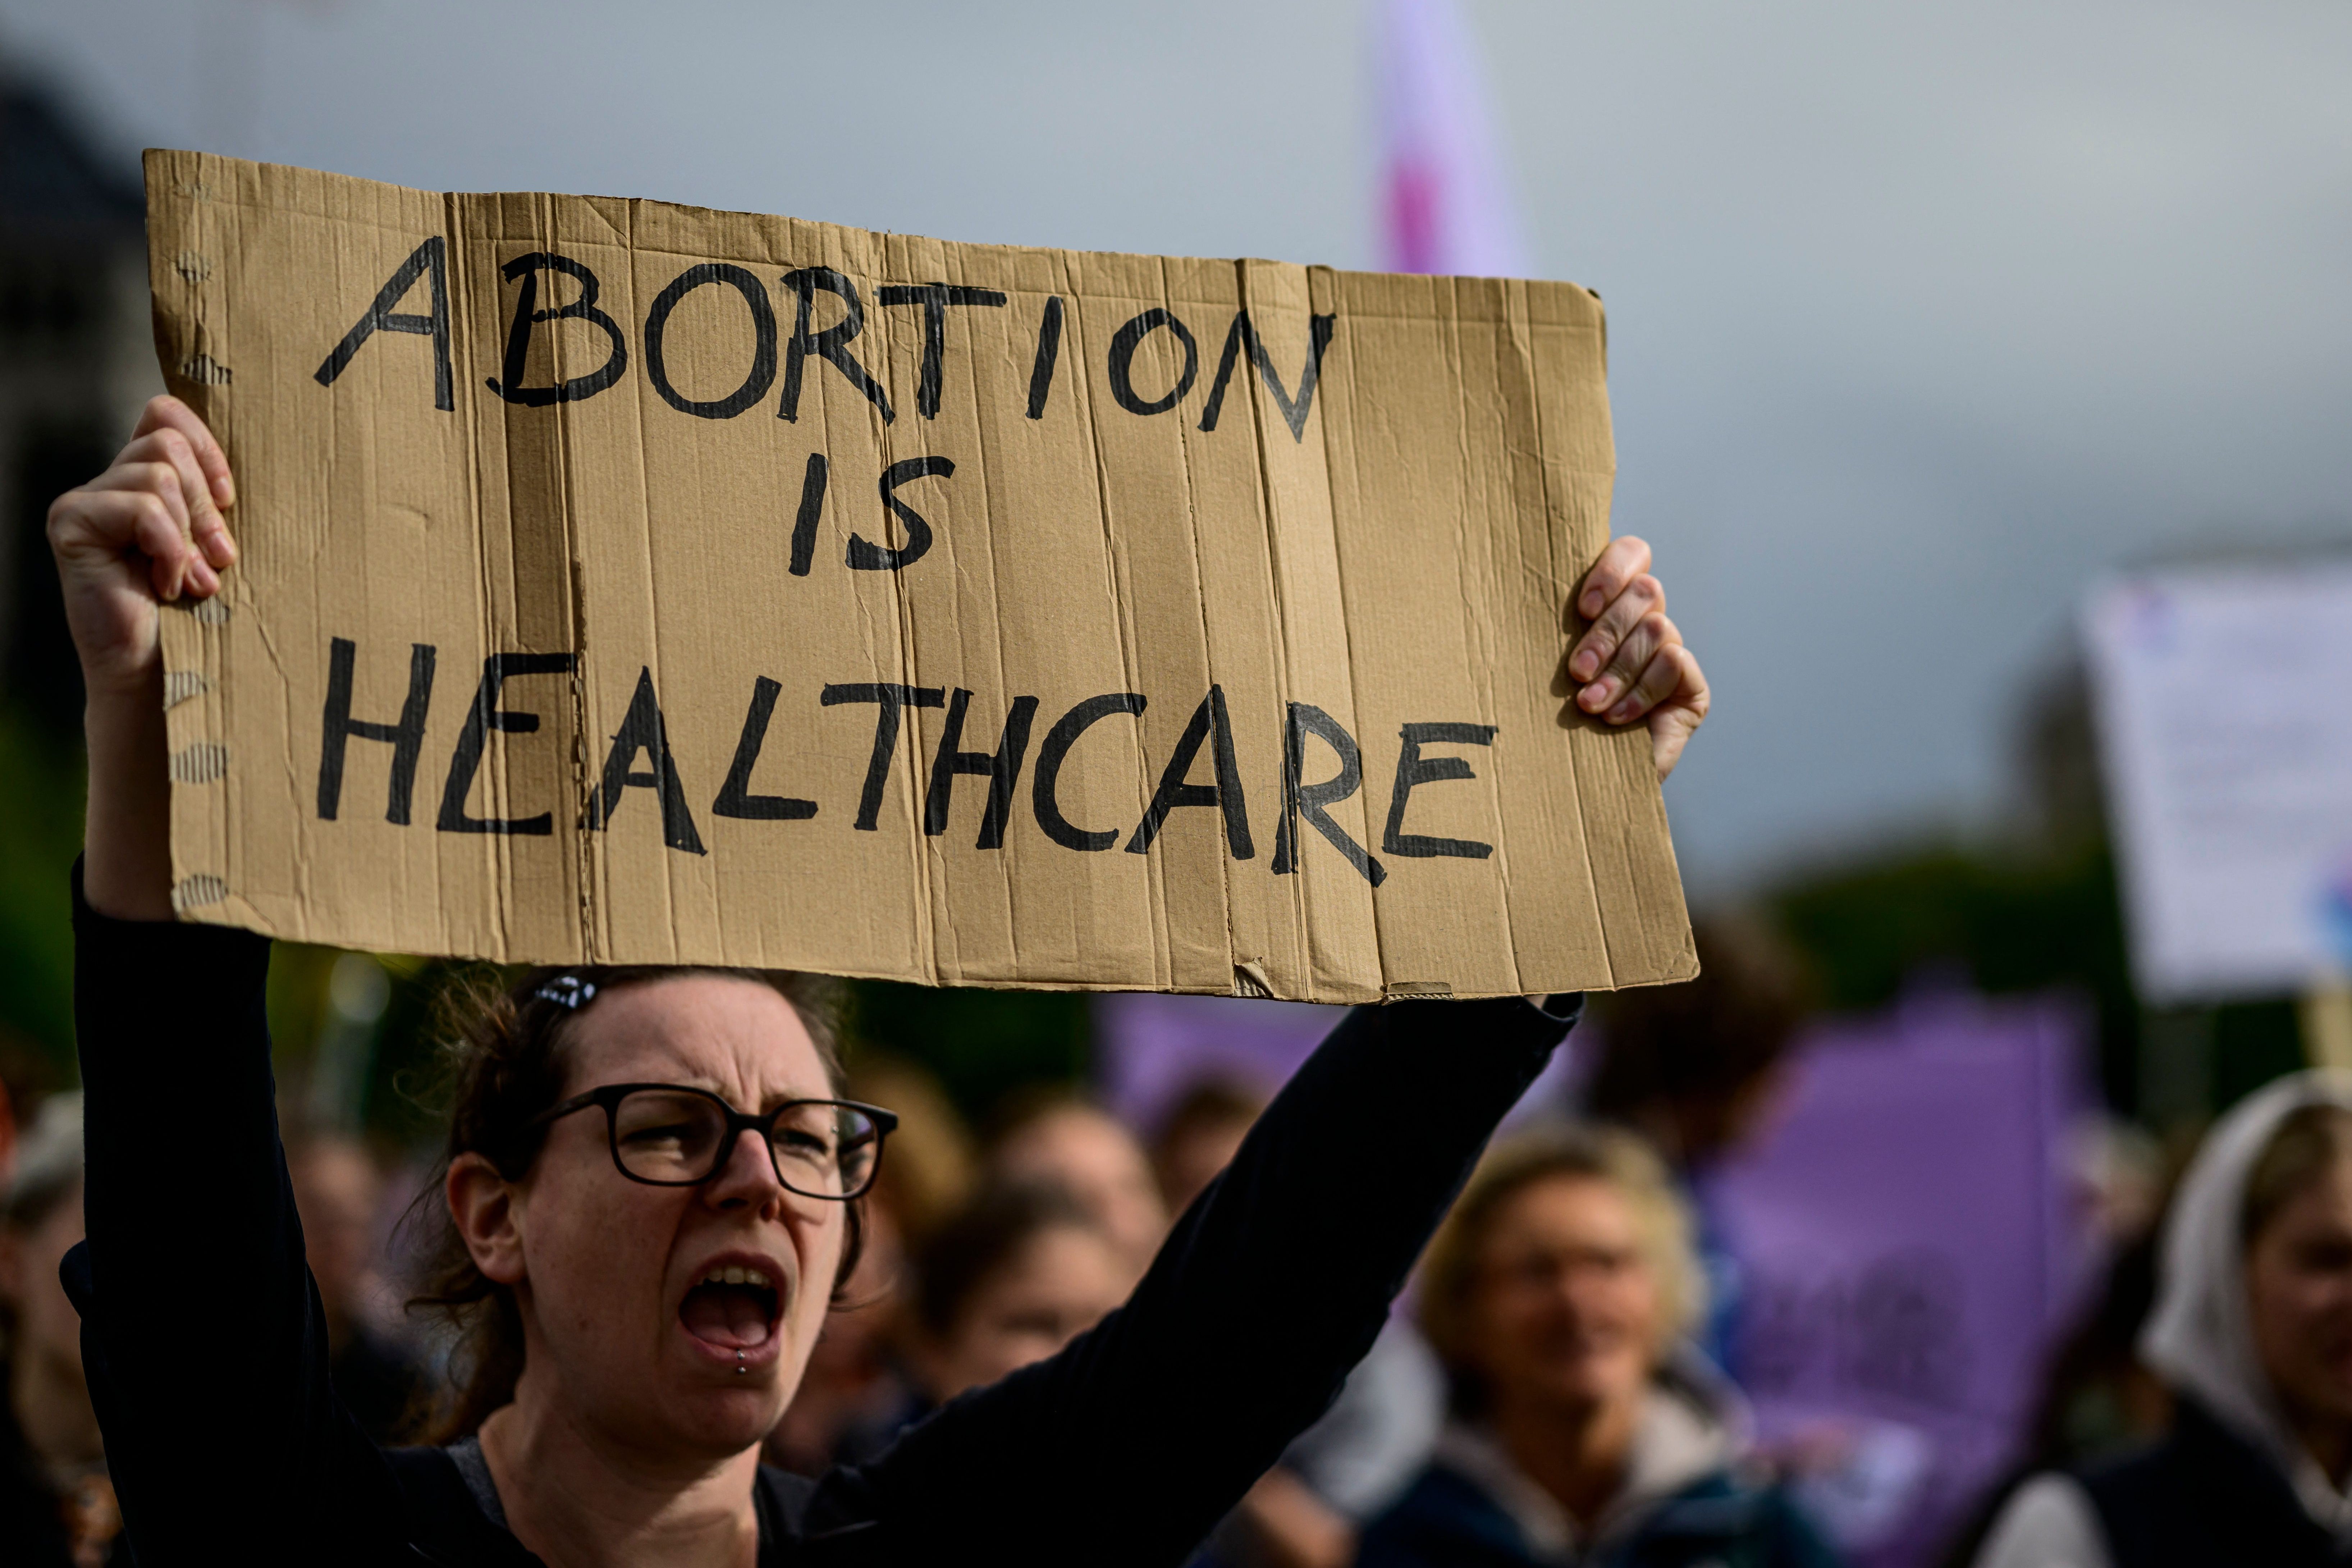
x: 1560, y: 1383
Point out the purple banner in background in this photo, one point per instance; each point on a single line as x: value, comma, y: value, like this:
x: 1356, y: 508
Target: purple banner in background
x: 1152, y: 1049
x: 1910, y: 1242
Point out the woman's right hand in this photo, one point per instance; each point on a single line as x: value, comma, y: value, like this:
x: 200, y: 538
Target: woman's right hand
x: 148, y: 529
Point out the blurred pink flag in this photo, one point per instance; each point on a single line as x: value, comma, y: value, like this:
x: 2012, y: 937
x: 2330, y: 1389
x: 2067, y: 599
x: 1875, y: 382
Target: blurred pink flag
x: 1446, y: 204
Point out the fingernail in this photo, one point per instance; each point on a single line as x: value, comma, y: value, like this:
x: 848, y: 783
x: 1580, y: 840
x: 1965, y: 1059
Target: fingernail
x: 205, y: 578
x: 1589, y: 606
x: 1619, y: 714
x: 1581, y: 665
x: 1597, y: 694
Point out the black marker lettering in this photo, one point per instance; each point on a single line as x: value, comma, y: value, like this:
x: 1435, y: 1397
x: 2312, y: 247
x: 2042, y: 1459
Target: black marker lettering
x: 1049, y: 349
x: 1245, y: 336
x: 735, y: 796
x: 812, y: 512
x: 1002, y: 771
x: 433, y: 257
x: 1122, y: 360
x: 763, y: 339
x: 641, y: 731
x: 935, y: 299
x: 1208, y: 720
x: 485, y: 716
x: 1300, y: 798
x: 1413, y: 769
x: 405, y: 736
x: 831, y: 346
x: 1056, y: 750
x: 890, y: 700
x: 869, y: 557
x: 526, y: 314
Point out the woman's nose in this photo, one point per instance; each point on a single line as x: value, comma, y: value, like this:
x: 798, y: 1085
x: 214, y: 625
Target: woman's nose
x: 747, y: 1175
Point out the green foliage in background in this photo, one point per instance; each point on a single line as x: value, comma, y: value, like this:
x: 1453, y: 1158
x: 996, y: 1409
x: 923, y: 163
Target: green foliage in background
x: 2021, y: 921
x: 982, y: 1045
x: 40, y: 834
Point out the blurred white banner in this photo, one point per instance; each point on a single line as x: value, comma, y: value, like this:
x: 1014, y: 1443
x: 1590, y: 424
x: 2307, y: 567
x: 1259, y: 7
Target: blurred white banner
x: 2225, y: 704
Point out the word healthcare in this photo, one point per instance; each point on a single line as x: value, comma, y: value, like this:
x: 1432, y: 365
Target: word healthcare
x: 633, y: 583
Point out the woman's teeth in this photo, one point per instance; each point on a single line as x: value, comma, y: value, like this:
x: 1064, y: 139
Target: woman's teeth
x: 757, y: 1277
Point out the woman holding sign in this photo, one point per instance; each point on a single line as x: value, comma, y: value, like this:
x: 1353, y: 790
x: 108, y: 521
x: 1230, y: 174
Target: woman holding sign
x: 653, y: 1189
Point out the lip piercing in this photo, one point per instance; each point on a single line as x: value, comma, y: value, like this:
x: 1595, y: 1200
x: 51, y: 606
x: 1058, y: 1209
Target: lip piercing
x: 740, y: 1368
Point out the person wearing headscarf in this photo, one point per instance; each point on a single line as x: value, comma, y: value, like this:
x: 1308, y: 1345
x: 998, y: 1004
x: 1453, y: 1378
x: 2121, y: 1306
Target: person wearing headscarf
x: 2252, y: 1335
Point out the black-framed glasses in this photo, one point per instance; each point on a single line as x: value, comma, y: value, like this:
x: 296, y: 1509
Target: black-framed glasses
x: 668, y: 1135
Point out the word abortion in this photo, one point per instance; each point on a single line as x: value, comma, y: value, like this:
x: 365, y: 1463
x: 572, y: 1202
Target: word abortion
x: 770, y: 350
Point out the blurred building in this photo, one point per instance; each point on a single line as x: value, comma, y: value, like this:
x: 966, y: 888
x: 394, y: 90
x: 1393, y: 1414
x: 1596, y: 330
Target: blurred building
x: 76, y: 361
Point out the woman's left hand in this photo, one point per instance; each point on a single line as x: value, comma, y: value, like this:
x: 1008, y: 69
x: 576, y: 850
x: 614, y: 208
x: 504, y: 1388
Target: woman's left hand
x: 1630, y: 666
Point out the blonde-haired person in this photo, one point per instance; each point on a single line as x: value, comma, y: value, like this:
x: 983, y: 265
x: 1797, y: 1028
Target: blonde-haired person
x: 1584, y: 1430
x: 2252, y: 1335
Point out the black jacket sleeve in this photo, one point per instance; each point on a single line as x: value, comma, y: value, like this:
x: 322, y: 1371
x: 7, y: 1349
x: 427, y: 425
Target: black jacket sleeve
x: 203, y: 1337
x: 1129, y: 1446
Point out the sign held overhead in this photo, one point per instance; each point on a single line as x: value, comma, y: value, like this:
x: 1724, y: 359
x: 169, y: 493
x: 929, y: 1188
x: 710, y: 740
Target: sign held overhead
x: 633, y: 583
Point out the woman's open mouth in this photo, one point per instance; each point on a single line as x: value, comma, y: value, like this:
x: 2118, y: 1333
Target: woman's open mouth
x: 731, y: 1309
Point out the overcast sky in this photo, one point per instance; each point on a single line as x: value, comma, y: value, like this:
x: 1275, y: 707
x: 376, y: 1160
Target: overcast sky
x: 1920, y: 317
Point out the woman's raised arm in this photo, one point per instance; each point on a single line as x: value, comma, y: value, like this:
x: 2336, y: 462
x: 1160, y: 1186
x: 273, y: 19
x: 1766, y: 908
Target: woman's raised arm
x: 148, y: 531
x: 201, y: 1337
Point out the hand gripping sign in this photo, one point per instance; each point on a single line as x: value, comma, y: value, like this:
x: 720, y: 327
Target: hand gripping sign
x: 633, y: 583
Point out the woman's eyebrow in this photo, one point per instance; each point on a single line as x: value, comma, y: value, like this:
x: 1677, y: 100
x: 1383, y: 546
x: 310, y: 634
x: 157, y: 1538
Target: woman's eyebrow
x: 794, y: 1096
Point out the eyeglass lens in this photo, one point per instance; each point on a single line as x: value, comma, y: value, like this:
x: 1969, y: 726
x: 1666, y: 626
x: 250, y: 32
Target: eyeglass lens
x: 821, y: 1150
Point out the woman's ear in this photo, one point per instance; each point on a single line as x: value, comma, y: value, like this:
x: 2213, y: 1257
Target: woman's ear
x: 482, y: 1205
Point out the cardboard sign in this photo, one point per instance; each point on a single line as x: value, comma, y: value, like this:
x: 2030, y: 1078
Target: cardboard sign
x: 634, y: 583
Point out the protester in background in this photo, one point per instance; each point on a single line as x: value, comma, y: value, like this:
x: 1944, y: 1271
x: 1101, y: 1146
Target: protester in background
x: 638, y: 1283
x: 1558, y: 1293
x: 1021, y: 1272
x: 1018, y: 1272
x: 1057, y: 1136
x: 57, y: 1504
x: 339, y: 1193
x: 1198, y: 1136
x: 856, y: 1386
x: 2252, y: 1335
x: 1695, y: 1069
x: 933, y: 1165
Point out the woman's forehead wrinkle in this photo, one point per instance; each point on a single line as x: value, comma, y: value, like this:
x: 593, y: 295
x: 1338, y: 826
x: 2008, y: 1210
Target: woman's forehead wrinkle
x: 741, y: 1042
